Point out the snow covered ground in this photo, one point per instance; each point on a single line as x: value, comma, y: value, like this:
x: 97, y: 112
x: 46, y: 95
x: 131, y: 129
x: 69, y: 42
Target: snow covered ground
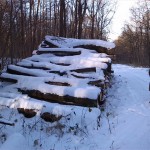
x: 123, y: 123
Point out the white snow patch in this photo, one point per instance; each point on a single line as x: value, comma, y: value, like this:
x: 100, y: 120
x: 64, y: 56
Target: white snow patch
x: 15, y: 142
x: 70, y: 42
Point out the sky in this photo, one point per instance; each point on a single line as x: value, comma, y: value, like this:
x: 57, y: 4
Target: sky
x: 121, y: 16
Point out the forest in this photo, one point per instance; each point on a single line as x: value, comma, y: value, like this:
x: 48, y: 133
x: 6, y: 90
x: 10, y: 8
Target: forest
x: 133, y: 45
x: 60, y: 87
x: 24, y: 23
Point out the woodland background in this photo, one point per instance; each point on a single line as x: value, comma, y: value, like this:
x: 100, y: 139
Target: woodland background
x: 133, y: 45
x: 24, y: 23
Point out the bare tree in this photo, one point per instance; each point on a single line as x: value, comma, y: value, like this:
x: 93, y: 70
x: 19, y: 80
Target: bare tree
x: 136, y: 36
x: 62, y: 20
x: 24, y: 23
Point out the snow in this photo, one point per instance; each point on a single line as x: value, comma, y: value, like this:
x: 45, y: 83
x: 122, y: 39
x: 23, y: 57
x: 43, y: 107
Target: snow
x: 34, y: 72
x: 15, y: 142
x: 60, y: 49
x: 49, y: 62
x: 39, y: 69
x: 88, y: 58
x: 122, y: 123
x: 75, y: 91
x: 70, y: 42
x: 79, y: 89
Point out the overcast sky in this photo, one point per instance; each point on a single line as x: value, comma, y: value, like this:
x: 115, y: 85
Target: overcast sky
x: 122, y: 14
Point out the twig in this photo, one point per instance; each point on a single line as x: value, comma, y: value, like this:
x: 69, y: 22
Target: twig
x: 7, y: 123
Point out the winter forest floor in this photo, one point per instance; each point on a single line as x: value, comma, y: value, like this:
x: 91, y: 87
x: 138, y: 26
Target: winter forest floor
x: 123, y: 123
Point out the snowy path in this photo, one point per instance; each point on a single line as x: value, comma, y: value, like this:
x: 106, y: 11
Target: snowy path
x: 129, y: 106
x: 131, y: 85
